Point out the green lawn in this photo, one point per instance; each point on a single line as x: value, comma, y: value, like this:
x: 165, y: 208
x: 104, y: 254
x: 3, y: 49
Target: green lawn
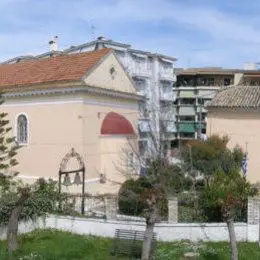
x: 56, y: 245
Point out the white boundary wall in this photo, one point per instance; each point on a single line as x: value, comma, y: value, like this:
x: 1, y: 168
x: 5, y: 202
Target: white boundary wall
x: 165, y: 231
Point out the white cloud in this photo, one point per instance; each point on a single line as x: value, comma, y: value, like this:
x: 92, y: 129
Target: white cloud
x: 218, y: 38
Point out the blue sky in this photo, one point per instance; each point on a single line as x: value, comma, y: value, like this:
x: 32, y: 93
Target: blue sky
x: 196, y: 32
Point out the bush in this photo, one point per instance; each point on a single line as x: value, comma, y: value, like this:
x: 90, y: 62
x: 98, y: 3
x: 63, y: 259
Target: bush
x: 44, y: 199
x: 204, y: 212
x: 131, y: 196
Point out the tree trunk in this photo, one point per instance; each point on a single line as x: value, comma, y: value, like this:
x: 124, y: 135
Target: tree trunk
x: 147, y: 243
x: 232, y: 239
x: 12, y: 227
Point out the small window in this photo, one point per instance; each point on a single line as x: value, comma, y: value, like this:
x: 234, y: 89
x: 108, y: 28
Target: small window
x: 211, y: 82
x: 227, y: 81
x: 22, y: 129
x: 112, y: 72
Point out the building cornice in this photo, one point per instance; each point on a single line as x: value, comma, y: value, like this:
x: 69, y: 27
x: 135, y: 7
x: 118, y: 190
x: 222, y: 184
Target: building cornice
x: 197, y: 87
x: 227, y: 109
x: 76, y: 88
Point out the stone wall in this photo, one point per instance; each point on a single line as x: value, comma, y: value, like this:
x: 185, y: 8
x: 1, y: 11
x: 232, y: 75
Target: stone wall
x: 165, y: 231
x: 253, y: 210
x: 173, y: 210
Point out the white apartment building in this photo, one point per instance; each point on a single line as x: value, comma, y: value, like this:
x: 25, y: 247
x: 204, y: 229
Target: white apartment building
x: 153, y: 76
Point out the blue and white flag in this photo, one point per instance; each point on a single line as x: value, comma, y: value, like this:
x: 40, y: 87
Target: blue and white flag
x: 244, y: 164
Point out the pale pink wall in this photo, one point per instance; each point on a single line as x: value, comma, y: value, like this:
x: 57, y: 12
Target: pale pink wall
x: 54, y: 128
x: 101, y: 77
x: 242, y: 128
x: 53, y: 131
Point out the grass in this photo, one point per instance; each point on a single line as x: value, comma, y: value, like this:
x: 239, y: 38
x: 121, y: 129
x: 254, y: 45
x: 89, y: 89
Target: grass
x: 57, y: 245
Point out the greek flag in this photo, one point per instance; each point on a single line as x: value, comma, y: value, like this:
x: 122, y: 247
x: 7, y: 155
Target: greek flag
x: 244, y: 164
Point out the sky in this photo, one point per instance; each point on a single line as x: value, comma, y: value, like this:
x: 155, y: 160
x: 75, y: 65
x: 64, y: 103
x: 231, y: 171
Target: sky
x: 198, y: 33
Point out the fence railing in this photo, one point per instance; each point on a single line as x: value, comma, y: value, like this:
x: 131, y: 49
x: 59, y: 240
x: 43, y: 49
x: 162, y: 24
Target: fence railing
x: 179, y: 210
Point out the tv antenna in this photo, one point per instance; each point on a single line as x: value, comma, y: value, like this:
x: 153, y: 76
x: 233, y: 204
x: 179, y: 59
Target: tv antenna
x: 93, y: 31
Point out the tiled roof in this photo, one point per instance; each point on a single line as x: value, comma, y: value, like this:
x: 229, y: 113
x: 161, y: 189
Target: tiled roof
x: 237, y: 97
x: 55, y: 69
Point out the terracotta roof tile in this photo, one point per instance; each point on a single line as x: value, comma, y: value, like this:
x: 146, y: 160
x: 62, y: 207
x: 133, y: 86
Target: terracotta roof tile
x: 237, y: 97
x: 54, y: 69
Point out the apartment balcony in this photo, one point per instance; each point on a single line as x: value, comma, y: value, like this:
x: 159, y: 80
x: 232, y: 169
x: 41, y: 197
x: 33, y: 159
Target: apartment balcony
x: 167, y: 96
x: 144, y: 126
x: 201, y: 125
x: 201, y: 109
x: 167, y: 75
x: 168, y: 113
x: 187, y: 94
x: 187, y: 136
x: 168, y: 136
x: 206, y: 94
x: 186, y: 110
x: 188, y: 127
x: 144, y: 114
x: 139, y: 72
x: 168, y: 126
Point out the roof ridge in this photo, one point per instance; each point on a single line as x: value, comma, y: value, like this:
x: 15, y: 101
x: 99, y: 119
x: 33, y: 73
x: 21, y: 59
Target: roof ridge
x: 105, y: 50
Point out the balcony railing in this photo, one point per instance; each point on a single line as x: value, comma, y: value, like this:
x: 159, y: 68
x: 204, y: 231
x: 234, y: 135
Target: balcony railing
x: 201, y: 109
x: 168, y: 126
x: 206, y: 94
x: 187, y: 127
x: 201, y: 125
x: 167, y: 75
x: 168, y: 96
x: 187, y: 94
x: 144, y: 126
x: 139, y: 72
x: 187, y: 110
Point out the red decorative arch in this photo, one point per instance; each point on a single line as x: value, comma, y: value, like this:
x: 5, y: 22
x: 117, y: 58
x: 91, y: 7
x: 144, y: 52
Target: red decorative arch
x: 116, y: 124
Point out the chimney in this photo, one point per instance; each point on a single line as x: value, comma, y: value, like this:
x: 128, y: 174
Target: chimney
x: 99, y: 43
x: 54, y: 44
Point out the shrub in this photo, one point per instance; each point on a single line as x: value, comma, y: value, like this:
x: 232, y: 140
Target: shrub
x: 131, y: 198
x: 44, y: 199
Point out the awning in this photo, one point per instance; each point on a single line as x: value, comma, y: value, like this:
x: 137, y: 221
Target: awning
x: 187, y: 128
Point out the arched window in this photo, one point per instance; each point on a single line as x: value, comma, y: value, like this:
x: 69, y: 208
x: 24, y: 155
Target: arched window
x: 22, y: 129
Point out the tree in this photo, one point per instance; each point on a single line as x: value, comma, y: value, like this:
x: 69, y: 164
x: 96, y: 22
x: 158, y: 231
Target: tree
x: 152, y: 162
x: 147, y: 196
x: 225, y: 187
x: 159, y: 176
x: 19, y: 201
x: 27, y: 202
x: 206, y: 156
x: 228, y: 191
x: 12, y: 227
x: 8, y: 151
